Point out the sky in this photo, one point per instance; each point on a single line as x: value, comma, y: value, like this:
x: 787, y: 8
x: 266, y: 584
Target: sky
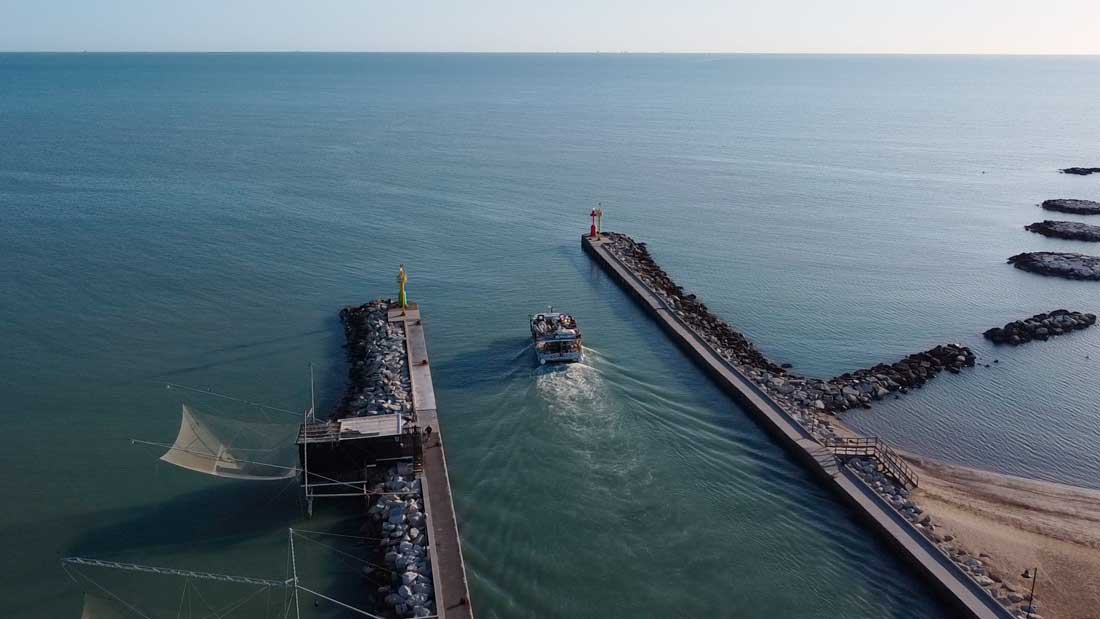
x: 765, y: 26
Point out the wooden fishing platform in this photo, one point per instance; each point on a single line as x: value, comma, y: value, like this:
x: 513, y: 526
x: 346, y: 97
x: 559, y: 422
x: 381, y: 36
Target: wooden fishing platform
x: 946, y: 577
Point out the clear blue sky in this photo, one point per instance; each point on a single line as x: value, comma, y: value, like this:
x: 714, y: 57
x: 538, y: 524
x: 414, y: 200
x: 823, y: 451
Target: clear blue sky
x: 915, y: 26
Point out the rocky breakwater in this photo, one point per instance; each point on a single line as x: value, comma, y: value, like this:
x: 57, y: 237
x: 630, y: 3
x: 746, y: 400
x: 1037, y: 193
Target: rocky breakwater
x: 858, y: 389
x: 1058, y: 264
x: 1071, y: 230
x: 809, y: 400
x: 378, y: 379
x: 902, y: 500
x: 875, y: 383
x: 398, y: 522
x: 1040, y: 327
x: 1073, y: 206
x: 731, y: 344
x: 379, y: 384
x: 1080, y: 171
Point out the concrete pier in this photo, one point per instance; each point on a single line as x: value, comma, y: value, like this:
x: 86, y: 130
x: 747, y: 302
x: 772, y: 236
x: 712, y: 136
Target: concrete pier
x: 387, y: 425
x: 452, y: 592
x: 944, y: 575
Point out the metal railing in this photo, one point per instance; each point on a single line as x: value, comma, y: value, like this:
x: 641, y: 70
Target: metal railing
x: 872, y: 447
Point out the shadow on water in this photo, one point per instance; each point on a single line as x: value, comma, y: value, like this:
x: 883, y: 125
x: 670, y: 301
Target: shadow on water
x: 262, y: 348
x: 275, y: 340
x: 191, y: 520
x: 229, y: 361
x: 502, y: 359
x: 328, y: 549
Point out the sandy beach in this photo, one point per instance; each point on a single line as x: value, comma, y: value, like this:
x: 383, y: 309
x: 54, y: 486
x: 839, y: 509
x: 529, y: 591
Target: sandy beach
x: 1012, y: 524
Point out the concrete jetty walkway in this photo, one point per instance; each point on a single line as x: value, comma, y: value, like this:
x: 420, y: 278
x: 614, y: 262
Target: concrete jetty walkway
x: 452, y: 591
x: 950, y: 581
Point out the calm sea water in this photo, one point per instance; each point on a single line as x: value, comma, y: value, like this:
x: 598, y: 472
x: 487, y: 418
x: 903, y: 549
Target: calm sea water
x: 202, y: 218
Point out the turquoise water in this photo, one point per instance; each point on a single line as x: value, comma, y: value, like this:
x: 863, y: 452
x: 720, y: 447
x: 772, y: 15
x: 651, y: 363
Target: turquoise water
x: 202, y: 218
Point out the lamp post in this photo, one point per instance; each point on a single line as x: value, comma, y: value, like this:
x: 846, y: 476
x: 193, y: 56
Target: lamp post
x: 402, y: 279
x: 1034, y: 576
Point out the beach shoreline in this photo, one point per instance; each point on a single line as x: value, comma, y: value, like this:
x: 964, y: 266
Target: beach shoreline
x: 1012, y: 524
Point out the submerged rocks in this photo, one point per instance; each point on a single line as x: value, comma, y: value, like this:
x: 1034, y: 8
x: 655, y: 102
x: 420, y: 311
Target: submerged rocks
x: 1059, y: 264
x: 379, y: 382
x: 1040, y: 327
x: 1071, y: 230
x: 1071, y: 205
x: 1080, y: 171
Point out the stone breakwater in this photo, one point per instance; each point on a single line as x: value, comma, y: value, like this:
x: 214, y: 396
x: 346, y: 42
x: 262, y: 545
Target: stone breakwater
x: 379, y: 384
x: 378, y: 379
x: 1067, y: 265
x: 789, y: 393
x: 734, y: 346
x: 1069, y: 205
x: 1071, y: 230
x: 397, y: 520
x: 901, y: 499
x: 858, y: 389
x: 1040, y: 327
x: 875, y: 383
x: 1080, y: 171
x: 807, y: 397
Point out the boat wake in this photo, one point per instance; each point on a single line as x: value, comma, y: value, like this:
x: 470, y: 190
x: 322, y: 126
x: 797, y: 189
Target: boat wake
x: 592, y: 416
x: 576, y: 394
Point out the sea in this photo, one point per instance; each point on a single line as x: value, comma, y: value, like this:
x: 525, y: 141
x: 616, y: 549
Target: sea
x: 200, y: 219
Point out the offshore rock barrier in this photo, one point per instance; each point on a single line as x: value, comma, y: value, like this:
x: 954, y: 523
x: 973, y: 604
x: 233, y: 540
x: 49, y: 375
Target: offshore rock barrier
x: 1067, y: 265
x: 1080, y: 171
x: 379, y: 382
x: 807, y: 397
x: 1071, y: 230
x: 1040, y: 327
x: 1073, y: 206
x: 399, y: 525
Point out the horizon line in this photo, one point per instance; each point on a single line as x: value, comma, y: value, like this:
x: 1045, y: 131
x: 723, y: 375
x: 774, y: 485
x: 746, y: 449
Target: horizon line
x: 554, y: 53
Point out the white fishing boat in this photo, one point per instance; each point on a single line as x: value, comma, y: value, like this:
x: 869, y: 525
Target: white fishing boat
x: 557, y: 338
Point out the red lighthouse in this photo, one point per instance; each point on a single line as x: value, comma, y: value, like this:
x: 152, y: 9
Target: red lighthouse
x: 592, y: 232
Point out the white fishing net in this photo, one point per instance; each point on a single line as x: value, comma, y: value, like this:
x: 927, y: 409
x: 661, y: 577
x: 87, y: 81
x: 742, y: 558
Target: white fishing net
x: 226, y: 447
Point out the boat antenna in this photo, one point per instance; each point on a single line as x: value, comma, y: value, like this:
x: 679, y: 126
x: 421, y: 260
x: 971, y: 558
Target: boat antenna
x: 227, y: 397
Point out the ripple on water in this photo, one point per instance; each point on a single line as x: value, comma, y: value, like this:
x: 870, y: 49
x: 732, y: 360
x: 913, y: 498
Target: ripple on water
x: 643, y: 497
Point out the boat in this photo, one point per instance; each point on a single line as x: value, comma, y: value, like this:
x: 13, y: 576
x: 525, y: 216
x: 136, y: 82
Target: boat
x: 557, y: 338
